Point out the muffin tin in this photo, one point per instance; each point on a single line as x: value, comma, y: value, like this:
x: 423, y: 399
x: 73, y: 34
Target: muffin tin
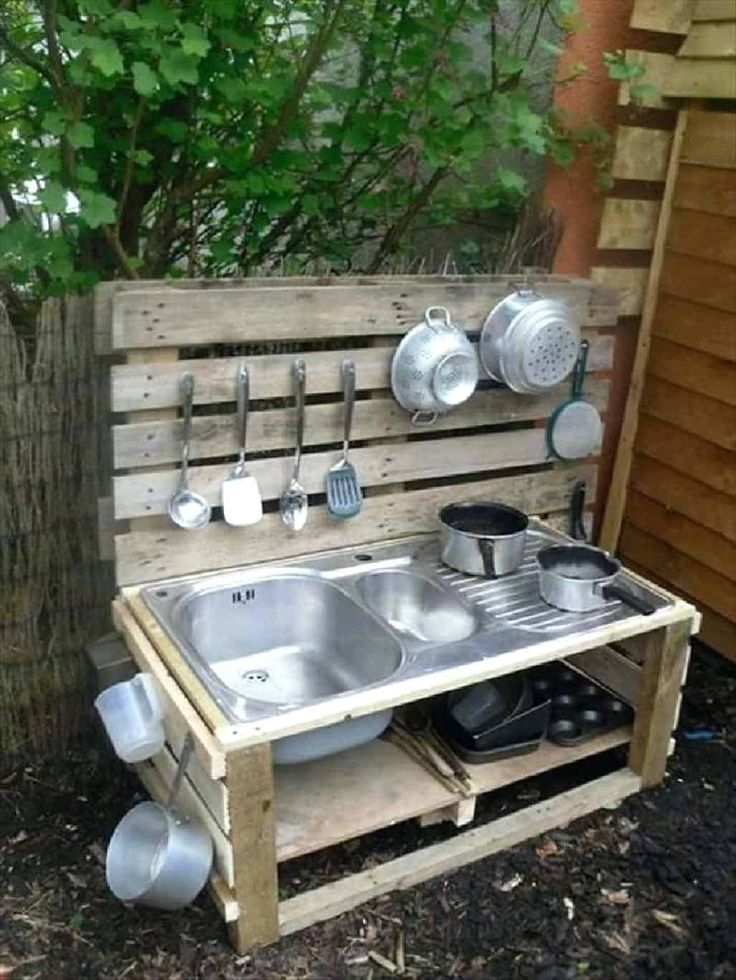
x: 579, y: 709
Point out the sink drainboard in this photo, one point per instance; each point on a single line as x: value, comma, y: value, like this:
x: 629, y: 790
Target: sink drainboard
x: 515, y: 599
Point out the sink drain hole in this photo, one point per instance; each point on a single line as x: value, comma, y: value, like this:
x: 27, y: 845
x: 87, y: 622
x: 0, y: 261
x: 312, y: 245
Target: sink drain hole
x: 256, y: 676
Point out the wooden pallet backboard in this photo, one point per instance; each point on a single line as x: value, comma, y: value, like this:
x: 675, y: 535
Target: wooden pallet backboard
x: 493, y: 446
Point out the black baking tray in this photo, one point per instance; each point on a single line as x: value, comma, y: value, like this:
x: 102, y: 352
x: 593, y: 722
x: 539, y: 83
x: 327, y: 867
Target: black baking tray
x: 580, y: 709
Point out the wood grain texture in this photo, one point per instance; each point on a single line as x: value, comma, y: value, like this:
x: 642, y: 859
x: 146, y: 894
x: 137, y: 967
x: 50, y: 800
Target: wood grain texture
x: 709, y: 189
x: 701, y: 78
x: 680, y: 571
x: 695, y: 326
x: 700, y: 281
x: 688, y: 536
x: 628, y: 223
x: 670, y: 17
x: 683, y: 494
x: 687, y: 453
x: 705, y: 417
x: 706, y: 40
x: 253, y: 837
x: 662, y: 678
x: 137, y: 387
x: 641, y: 154
x: 629, y: 283
x: 710, y: 139
x: 159, y: 318
x: 657, y: 67
x: 706, y: 236
x: 693, y: 370
x: 165, y: 553
x: 706, y: 10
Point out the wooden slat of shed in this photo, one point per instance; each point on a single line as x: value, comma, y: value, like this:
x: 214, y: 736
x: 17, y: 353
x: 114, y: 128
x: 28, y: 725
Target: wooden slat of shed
x: 707, y: 189
x: 657, y: 68
x: 687, y: 453
x: 705, y: 10
x: 711, y: 40
x: 203, y: 317
x: 628, y: 223
x: 136, y: 387
x: 629, y: 283
x: 710, y: 139
x: 693, y: 370
x: 706, y: 236
x: 144, y: 494
x: 154, y: 443
x: 701, y: 78
x: 688, y: 536
x: 700, y: 281
x: 685, y: 494
x: 691, y: 411
x: 641, y: 154
x: 670, y: 17
x: 150, y: 556
x: 700, y: 327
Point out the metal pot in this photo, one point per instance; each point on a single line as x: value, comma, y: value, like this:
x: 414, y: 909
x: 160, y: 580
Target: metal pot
x: 483, y: 539
x: 579, y: 578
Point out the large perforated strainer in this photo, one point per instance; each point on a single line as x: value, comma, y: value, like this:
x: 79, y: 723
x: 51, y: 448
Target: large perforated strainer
x: 529, y: 342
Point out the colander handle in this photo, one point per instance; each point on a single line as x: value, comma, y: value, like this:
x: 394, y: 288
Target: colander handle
x: 442, y: 322
x: 421, y: 418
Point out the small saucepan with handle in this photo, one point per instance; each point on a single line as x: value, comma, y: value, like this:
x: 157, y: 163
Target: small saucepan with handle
x: 485, y: 539
x: 580, y: 578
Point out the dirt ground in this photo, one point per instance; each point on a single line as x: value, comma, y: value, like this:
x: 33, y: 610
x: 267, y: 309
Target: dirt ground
x: 644, y: 891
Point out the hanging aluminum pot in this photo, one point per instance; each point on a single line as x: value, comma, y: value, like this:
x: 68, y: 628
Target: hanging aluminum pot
x: 529, y: 342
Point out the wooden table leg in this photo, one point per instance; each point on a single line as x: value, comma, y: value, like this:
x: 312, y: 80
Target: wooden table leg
x: 249, y: 782
x: 665, y: 659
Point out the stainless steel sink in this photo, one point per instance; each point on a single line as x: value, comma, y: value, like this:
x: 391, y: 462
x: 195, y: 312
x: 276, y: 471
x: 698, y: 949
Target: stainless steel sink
x: 414, y: 604
x: 286, y: 640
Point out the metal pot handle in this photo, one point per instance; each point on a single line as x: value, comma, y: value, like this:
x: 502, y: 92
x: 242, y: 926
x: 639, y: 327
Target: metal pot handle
x: 423, y: 418
x: 624, y: 595
x: 486, y: 551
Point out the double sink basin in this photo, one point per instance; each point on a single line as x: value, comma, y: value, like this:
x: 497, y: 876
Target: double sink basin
x: 269, y: 639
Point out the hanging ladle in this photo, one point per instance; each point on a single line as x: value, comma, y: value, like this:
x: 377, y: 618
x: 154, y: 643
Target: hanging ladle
x: 186, y: 508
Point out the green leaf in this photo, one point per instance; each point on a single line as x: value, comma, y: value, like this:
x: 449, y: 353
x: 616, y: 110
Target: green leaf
x: 145, y: 80
x: 143, y: 157
x: 177, y: 66
x: 105, y: 55
x: 194, y: 40
x: 81, y: 135
x: 53, y: 122
x: 157, y: 16
x: 53, y: 197
x: 96, y: 208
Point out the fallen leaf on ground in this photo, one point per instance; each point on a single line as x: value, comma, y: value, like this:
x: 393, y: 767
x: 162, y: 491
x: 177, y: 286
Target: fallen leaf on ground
x: 569, y: 907
x: 669, y: 921
x: 19, y: 837
x: 546, y: 849
x: 620, y: 897
x: 508, y: 886
x: 616, y: 941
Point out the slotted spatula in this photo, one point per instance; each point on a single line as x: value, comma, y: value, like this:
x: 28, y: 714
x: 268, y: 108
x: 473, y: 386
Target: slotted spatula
x: 344, y: 496
x: 241, y: 498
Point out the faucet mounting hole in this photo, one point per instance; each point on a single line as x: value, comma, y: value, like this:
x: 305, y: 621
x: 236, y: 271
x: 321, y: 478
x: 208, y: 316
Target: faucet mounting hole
x: 361, y: 556
x: 256, y: 676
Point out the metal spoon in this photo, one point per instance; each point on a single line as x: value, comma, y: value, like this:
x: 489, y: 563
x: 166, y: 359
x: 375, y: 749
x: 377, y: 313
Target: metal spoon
x: 294, y: 501
x: 186, y: 508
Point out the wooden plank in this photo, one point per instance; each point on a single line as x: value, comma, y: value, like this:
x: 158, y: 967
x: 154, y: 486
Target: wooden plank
x: 701, y: 78
x: 718, y: 633
x: 693, y: 370
x: 641, y: 154
x: 705, y: 417
x: 700, y: 281
x: 148, y: 444
x: 223, y: 898
x: 253, y: 836
x: 616, y: 500
x: 380, y: 465
x: 706, y: 189
x: 710, y: 139
x: 670, y: 17
x: 628, y: 223
x: 611, y: 669
x: 439, y: 859
x: 711, y: 549
x: 662, y: 675
x: 679, y: 570
x: 657, y: 68
x: 706, y: 40
x: 629, y: 283
x: 152, y: 385
x: 706, y: 236
x: 176, y: 705
x: 159, y: 554
x: 695, y: 326
x: 685, y: 495
x: 705, y: 10
x: 203, y: 317
x: 687, y: 453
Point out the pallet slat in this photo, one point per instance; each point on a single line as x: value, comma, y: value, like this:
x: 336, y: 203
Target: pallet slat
x: 701, y: 78
x: 671, y: 17
x: 705, y: 10
x: 629, y: 283
x: 641, y: 154
x: 628, y: 223
x: 204, y: 317
x: 710, y: 40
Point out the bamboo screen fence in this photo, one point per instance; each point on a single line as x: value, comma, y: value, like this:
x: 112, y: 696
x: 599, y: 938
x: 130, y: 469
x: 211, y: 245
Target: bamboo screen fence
x: 54, y: 591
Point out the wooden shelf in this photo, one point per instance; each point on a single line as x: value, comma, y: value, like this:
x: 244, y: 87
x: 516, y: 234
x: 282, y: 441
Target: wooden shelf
x: 377, y: 785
